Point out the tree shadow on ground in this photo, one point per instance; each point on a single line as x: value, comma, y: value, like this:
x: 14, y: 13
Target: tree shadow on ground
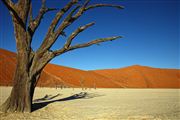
x: 82, y: 95
x: 46, y: 97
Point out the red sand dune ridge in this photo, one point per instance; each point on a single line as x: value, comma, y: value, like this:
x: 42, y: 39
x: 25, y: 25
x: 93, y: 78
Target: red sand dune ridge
x: 130, y: 77
x: 144, y: 77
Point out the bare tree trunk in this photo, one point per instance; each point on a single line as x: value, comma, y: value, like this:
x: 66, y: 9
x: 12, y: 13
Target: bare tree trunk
x: 20, y: 99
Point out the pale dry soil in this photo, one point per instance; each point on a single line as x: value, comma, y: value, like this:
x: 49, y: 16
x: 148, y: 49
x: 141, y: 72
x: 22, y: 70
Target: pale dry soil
x: 99, y: 104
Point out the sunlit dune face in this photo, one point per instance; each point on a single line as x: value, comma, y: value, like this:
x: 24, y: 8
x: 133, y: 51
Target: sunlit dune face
x: 129, y: 77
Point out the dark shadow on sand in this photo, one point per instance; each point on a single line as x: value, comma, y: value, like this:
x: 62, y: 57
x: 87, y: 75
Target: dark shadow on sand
x: 82, y: 95
x: 46, y: 97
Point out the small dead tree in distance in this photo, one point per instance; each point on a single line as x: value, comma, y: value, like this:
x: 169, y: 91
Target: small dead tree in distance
x: 81, y: 81
x: 30, y: 63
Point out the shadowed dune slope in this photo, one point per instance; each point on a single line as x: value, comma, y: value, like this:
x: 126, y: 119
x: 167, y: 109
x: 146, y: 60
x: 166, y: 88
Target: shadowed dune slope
x: 130, y: 77
x: 7, y: 67
x: 75, y: 77
x: 54, y: 75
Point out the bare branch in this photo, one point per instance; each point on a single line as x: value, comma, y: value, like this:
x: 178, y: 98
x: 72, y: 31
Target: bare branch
x: 8, y: 3
x: 23, y: 7
x: 60, y: 14
x: 104, y: 5
x: 71, y: 13
x: 70, y: 19
x: 97, y: 41
x: 43, y: 3
x: 93, y: 42
x: 75, y: 33
x: 30, y: 14
x: 81, y: 10
x: 11, y: 8
x: 22, y: 2
x: 35, y: 23
x: 50, y: 36
x: 67, y: 21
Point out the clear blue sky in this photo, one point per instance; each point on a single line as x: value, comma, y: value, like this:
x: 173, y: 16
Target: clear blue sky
x: 150, y: 30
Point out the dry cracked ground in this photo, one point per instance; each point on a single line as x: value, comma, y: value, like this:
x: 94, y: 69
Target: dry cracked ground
x: 99, y: 104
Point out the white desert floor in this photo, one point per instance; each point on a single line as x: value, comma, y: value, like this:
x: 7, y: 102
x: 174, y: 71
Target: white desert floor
x: 100, y: 104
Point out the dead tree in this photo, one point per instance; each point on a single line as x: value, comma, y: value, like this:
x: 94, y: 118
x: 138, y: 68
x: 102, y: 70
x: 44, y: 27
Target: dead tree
x: 30, y: 63
x: 81, y: 81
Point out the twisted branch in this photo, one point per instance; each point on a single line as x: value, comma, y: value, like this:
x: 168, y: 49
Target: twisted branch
x: 75, y: 33
x: 97, y: 41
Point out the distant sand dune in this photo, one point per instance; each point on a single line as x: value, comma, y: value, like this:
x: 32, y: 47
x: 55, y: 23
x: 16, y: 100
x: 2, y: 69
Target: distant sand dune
x: 59, y: 76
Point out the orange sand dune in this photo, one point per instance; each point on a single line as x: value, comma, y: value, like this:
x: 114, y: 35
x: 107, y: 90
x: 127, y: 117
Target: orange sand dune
x: 75, y: 77
x: 143, y: 77
x: 129, y: 77
x: 54, y: 75
x: 7, y: 67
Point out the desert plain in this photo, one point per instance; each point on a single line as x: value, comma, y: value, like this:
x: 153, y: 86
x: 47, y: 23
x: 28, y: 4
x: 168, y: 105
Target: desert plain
x: 130, y: 93
x: 99, y: 104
